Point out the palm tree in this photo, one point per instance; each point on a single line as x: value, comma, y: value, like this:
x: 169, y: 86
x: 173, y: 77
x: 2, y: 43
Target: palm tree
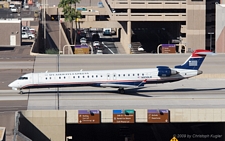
x: 70, y: 14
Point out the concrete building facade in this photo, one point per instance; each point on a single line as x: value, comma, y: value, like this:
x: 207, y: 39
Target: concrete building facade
x: 220, y: 28
x: 189, y: 16
x: 12, y: 32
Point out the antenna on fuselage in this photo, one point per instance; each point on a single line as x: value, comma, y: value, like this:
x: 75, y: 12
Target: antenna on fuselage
x: 46, y: 71
x: 81, y: 70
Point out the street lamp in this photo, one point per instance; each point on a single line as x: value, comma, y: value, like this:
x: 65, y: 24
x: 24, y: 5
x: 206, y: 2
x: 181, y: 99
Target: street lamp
x: 210, y: 42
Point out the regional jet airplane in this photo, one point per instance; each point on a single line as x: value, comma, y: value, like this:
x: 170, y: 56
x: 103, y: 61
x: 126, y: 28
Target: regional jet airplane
x: 125, y: 78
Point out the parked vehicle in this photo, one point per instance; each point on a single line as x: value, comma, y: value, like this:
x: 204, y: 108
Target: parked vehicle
x: 96, y: 43
x: 99, y: 51
x: 107, y: 32
x: 83, y: 40
x: 140, y: 48
x: 14, y: 10
x: 11, y: 5
x: 26, y: 28
x: 26, y: 35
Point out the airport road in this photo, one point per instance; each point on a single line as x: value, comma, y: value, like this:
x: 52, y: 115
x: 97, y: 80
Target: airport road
x: 196, y: 92
x: 191, y: 93
x: 211, y: 65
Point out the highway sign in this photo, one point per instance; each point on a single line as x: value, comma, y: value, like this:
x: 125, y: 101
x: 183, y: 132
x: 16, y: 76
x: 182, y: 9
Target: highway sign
x: 88, y: 116
x: 123, y: 116
x: 158, y: 116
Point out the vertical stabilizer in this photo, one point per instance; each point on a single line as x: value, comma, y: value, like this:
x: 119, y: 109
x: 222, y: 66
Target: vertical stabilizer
x: 195, y: 60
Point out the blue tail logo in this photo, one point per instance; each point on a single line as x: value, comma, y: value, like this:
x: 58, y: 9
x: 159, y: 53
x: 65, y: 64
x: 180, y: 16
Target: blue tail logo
x: 195, y: 60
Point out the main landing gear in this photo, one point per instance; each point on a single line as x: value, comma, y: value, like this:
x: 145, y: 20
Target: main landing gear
x: 121, y: 90
x: 21, y: 92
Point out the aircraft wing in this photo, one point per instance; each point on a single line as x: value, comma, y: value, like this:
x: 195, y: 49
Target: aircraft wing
x: 141, y: 85
x: 119, y: 86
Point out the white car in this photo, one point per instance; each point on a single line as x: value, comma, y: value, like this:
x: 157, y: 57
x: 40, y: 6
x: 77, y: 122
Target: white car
x: 26, y: 35
x: 83, y: 40
x: 26, y: 28
x: 14, y: 10
x: 96, y: 43
x: 11, y: 5
x: 140, y: 48
x: 99, y: 51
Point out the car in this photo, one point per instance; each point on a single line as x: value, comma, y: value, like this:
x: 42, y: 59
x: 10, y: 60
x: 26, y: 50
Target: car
x: 106, y: 32
x: 83, y: 40
x: 26, y: 6
x: 140, y: 48
x: 14, y: 10
x: 96, y: 43
x: 28, y: 29
x: 27, y: 35
x: 11, y: 5
x: 99, y: 51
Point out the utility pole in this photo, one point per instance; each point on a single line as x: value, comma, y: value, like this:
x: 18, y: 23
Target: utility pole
x: 59, y: 16
x: 210, y: 42
x: 44, y: 24
x: 58, y: 87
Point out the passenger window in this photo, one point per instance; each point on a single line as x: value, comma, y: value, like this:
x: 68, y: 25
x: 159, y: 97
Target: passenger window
x: 96, y: 76
x: 142, y: 74
x: 123, y: 74
x: 133, y: 74
x: 59, y: 77
x: 46, y: 78
x: 73, y: 76
x: 78, y: 76
x: 119, y: 75
x: 128, y: 74
x: 83, y: 76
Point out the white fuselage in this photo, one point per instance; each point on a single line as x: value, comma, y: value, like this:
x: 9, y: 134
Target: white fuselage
x: 100, y: 78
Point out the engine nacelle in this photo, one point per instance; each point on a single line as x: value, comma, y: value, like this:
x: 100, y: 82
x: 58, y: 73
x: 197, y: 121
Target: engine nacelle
x: 166, y: 72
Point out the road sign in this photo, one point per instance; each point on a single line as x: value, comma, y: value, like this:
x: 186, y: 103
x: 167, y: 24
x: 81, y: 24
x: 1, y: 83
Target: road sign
x: 88, y: 117
x: 174, y: 139
x: 123, y: 116
x: 168, y: 48
x: 158, y: 116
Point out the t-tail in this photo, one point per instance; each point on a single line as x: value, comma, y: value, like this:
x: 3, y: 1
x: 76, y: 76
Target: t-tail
x: 195, y: 60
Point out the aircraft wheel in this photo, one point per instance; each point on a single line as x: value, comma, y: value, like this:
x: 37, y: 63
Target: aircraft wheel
x: 121, y: 90
x: 21, y: 92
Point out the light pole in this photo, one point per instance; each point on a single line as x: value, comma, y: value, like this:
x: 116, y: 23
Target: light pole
x: 210, y: 42
x: 59, y: 16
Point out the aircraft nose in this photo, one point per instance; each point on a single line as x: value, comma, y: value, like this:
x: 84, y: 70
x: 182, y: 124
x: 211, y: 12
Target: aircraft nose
x: 10, y: 85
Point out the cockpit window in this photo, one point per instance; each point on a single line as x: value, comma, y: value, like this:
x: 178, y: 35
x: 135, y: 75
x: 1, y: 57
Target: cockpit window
x: 23, y: 78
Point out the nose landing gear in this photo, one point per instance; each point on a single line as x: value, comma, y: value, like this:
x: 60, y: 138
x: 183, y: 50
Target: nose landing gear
x: 21, y: 92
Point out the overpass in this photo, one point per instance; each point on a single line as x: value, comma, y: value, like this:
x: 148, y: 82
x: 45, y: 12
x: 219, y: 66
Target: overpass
x: 122, y: 14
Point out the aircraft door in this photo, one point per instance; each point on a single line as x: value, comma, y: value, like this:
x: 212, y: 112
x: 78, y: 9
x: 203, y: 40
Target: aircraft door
x: 35, y: 78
